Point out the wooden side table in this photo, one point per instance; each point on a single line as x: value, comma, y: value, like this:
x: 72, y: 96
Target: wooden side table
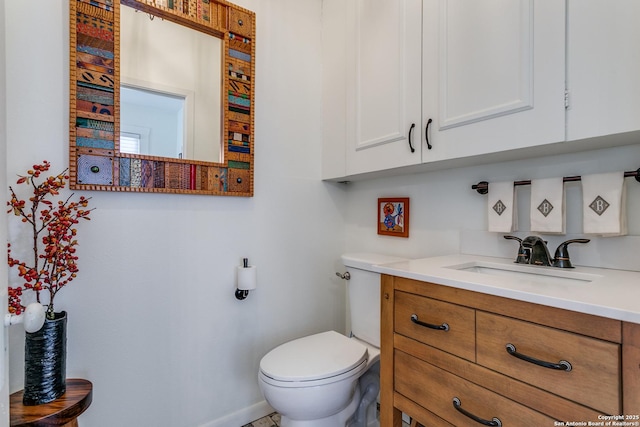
x: 63, y: 411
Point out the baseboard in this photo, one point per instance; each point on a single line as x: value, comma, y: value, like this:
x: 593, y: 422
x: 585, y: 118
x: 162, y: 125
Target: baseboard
x: 243, y: 416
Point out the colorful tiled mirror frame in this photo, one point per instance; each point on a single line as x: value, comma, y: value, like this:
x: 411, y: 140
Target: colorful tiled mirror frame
x: 95, y: 160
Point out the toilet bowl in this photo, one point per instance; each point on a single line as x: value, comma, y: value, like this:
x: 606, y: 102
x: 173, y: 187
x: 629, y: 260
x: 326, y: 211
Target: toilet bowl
x: 328, y: 379
x: 312, y: 380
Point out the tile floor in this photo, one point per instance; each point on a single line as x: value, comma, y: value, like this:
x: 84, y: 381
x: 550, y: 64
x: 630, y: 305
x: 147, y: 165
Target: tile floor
x: 273, y: 420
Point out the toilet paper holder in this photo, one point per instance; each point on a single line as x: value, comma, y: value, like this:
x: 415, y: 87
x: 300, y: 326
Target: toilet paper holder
x: 245, y: 279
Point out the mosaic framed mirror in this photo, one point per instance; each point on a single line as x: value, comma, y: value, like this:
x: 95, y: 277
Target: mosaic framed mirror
x: 138, y: 119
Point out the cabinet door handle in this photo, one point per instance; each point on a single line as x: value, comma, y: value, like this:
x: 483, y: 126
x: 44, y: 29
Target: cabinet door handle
x: 410, y: 132
x: 562, y: 365
x: 426, y: 134
x: 443, y: 327
x: 458, y: 405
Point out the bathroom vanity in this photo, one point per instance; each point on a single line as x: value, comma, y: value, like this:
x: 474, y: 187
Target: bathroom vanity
x: 470, y: 340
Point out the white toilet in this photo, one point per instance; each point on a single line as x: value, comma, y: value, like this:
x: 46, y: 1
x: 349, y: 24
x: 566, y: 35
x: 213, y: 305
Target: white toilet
x: 327, y: 379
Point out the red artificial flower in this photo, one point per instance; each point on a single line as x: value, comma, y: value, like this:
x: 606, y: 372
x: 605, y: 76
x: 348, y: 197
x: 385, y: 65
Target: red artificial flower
x: 54, y: 264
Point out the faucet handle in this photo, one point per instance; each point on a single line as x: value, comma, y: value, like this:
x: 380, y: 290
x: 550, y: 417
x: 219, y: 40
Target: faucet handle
x: 561, y: 257
x: 523, y: 255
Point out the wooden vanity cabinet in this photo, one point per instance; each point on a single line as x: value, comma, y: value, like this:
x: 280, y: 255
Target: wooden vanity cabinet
x: 423, y: 368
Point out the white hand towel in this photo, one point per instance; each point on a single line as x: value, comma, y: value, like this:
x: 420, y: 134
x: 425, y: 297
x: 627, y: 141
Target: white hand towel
x: 604, y: 204
x: 547, y: 205
x: 501, y: 207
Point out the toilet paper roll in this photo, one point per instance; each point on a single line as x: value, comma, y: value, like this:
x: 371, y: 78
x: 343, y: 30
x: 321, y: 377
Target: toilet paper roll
x: 247, y: 278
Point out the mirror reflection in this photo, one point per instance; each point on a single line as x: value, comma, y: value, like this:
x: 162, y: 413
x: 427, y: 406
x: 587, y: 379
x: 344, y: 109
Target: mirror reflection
x: 170, y: 89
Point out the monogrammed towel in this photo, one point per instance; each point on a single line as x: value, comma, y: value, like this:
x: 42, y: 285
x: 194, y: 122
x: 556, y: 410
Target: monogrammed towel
x: 501, y: 207
x: 604, y: 204
x: 547, y: 205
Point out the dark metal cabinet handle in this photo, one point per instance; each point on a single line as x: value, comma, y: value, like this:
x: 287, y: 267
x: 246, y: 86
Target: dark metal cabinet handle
x: 443, y: 327
x: 426, y: 134
x: 562, y: 365
x: 458, y: 405
x: 410, y: 132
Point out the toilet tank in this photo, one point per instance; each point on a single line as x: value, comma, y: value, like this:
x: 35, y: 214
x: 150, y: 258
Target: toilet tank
x: 364, y: 294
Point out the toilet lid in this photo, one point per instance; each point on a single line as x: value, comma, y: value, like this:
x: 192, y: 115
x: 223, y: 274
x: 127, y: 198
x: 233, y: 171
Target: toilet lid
x: 318, y: 356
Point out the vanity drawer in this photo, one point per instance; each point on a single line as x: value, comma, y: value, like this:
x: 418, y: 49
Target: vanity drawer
x: 434, y: 388
x: 594, y: 377
x: 458, y: 339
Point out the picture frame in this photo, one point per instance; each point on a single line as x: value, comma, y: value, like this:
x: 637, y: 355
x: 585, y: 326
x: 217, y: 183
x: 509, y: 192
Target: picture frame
x: 393, y: 216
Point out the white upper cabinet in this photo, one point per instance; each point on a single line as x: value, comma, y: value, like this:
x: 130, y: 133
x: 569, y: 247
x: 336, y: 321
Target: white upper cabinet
x: 383, y: 92
x: 372, y: 53
x: 493, y: 75
x: 603, y: 67
x: 467, y: 78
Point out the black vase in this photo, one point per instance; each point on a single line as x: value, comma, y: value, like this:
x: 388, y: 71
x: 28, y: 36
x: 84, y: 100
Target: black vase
x: 45, y: 362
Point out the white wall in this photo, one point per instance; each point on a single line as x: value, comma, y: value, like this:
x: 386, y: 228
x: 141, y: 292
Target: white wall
x: 447, y: 216
x: 153, y: 321
x: 4, y: 384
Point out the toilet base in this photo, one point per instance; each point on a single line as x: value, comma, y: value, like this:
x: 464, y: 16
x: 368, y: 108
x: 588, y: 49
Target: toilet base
x: 339, y: 419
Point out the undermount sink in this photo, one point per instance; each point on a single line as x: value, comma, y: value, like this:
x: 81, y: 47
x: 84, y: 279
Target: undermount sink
x: 546, y: 275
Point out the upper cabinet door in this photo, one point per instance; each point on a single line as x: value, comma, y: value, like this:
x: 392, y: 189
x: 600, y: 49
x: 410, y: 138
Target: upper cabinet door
x: 493, y: 75
x: 603, y: 67
x: 383, y: 90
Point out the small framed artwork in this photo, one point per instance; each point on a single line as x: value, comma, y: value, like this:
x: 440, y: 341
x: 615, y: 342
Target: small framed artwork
x: 393, y: 216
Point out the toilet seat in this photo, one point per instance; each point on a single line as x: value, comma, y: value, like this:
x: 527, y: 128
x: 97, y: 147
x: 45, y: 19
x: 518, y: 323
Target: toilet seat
x: 314, y: 360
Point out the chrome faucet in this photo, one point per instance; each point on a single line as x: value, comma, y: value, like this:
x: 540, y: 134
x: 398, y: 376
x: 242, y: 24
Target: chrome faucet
x: 534, y: 250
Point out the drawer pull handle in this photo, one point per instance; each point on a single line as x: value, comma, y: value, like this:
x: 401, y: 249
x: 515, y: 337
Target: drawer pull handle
x: 458, y: 405
x: 563, y: 365
x: 443, y: 327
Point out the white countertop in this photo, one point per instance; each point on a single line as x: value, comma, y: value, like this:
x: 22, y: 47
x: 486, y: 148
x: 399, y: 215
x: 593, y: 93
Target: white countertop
x: 603, y: 292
